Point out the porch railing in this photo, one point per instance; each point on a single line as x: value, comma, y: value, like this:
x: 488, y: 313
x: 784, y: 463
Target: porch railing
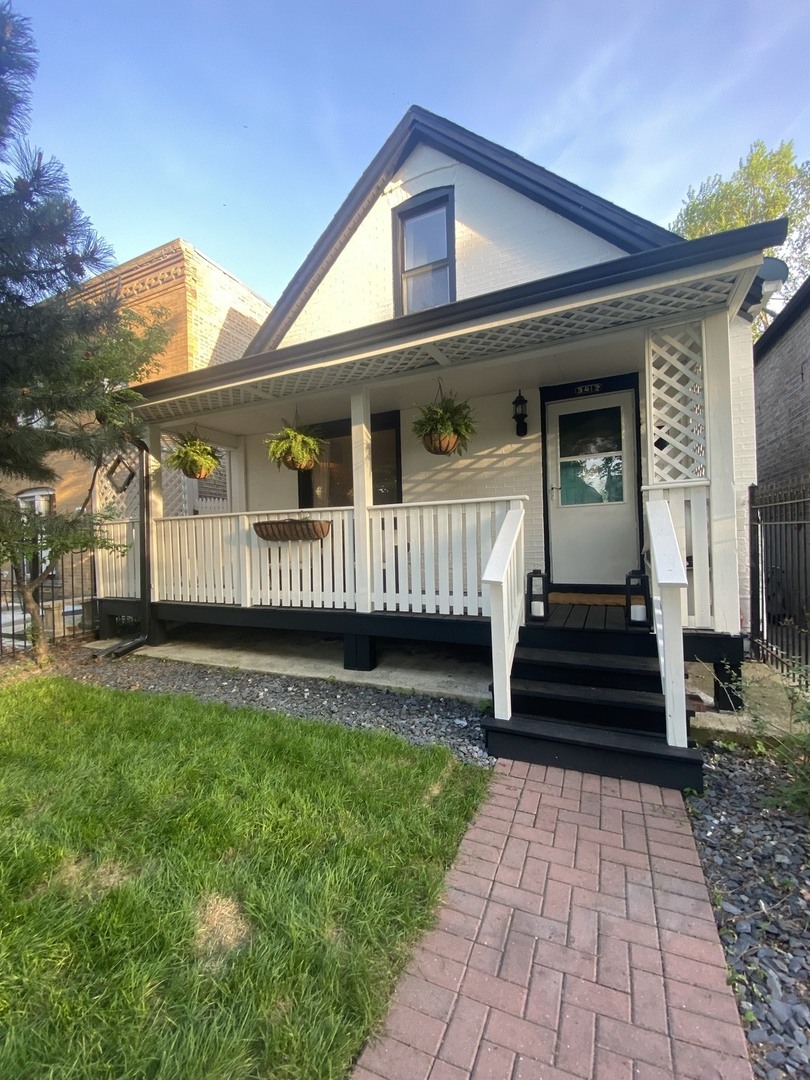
x: 429, y: 557
x: 219, y: 559
x: 668, y: 582
x: 505, y: 579
x: 425, y: 557
x: 689, y: 507
x: 119, y: 574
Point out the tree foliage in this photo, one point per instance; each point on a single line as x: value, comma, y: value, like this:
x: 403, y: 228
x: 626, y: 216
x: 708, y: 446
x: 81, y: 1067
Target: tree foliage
x: 67, y: 356
x: 767, y: 184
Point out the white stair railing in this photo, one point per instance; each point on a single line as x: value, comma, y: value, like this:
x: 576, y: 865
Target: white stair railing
x: 668, y: 580
x: 504, y: 577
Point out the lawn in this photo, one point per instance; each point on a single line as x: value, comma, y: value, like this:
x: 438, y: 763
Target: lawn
x: 191, y: 891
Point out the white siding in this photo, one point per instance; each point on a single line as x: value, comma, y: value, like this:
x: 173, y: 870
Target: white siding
x: 497, y: 464
x: 502, y: 239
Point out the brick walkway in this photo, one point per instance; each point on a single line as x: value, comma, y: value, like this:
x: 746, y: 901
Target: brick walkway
x: 576, y: 940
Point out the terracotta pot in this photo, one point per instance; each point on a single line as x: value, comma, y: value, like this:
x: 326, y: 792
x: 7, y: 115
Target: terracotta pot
x: 440, y: 444
x: 298, y: 466
x: 292, y: 529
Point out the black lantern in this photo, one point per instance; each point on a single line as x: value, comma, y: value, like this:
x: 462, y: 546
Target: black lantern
x: 519, y: 415
x: 637, y: 602
x: 536, y: 596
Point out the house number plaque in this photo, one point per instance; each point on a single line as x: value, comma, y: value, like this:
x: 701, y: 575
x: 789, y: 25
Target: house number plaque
x: 588, y: 388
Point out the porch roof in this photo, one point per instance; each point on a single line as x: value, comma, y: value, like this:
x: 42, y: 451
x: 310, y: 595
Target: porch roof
x: 683, y: 280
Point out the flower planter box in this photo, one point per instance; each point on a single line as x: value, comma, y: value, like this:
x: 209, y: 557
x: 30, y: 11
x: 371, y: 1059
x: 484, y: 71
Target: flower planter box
x: 292, y: 529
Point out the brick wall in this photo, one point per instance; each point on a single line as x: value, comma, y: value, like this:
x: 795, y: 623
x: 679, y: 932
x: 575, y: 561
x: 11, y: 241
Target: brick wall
x: 502, y: 239
x: 783, y: 406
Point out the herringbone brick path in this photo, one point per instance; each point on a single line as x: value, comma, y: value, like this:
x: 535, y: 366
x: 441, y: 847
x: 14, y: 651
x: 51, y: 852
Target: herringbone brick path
x: 576, y: 940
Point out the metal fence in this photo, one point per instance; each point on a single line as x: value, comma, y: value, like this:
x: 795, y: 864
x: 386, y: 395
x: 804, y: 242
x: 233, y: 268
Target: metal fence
x: 780, y: 578
x: 67, y: 602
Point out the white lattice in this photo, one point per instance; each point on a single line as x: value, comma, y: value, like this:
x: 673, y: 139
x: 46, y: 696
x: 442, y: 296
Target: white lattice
x: 683, y: 300
x: 677, y: 404
x: 123, y: 504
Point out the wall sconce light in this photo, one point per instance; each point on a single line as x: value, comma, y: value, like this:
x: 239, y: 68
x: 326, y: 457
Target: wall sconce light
x: 519, y: 415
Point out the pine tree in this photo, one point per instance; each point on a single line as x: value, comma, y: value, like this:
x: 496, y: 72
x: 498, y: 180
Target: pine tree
x: 66, y: 362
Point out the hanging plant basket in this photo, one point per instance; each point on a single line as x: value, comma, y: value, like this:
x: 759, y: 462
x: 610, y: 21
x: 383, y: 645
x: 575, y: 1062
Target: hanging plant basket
x: 199, y: 473
x: 298, y: 466
x: 193, y: 457
x: 292, y: 529
x: 440, y: 444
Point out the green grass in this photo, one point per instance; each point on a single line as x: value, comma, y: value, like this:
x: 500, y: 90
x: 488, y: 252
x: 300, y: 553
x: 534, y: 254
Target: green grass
x: 191, y: 891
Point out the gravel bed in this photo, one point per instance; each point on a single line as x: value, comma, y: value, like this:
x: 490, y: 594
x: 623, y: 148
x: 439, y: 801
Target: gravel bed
x: 756, y: 858
x: 419, y: 719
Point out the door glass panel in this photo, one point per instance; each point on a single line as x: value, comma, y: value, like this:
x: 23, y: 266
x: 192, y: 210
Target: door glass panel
x: 597, y: 431
x: 591, y: 480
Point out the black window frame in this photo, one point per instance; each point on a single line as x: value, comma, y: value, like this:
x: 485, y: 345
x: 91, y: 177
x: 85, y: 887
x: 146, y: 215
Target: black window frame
x: 414, y: 207
x: 335, y: 429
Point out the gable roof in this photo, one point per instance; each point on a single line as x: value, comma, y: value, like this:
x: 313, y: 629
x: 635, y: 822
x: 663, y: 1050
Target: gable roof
x: 627, y: 231
x: 787, y: 317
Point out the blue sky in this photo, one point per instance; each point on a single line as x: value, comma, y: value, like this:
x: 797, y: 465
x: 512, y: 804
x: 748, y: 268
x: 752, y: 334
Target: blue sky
x: 241, y: 127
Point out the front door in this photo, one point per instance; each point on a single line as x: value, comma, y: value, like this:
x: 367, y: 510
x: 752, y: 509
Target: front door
x: 591, y: 489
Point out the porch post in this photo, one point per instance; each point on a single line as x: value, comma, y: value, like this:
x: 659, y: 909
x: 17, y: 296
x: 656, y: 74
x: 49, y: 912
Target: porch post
x: 154, y: 464
x: 720, y: 452
x: 363, y: 497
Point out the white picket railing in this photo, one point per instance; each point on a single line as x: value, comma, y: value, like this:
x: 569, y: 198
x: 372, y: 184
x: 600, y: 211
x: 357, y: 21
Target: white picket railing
x: 219, y: 559
x: 504, y: 577
x: 429, y: 557
x: 668, y: 583
x: 689, y: 506
x: 118, y: 574
x: 425, y: 557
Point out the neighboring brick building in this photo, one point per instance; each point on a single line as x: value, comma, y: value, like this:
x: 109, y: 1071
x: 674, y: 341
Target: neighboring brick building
x: 782, y: 380
x: 212, y: 317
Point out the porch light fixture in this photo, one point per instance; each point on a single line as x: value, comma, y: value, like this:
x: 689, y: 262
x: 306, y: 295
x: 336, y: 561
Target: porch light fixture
x: 637, y: 603
x: 520, y: 414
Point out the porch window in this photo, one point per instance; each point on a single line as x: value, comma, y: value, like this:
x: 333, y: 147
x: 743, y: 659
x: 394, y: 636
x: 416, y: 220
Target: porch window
x: 331, y: 481
x: 424, y: 252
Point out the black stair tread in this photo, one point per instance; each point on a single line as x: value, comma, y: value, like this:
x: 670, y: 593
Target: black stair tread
x: 604, y: 695
x: 588, y: 735
x: 642, y: 665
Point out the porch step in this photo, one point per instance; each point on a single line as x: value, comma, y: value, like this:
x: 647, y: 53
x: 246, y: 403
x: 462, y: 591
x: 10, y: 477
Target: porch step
x: 603, y: 706
x: 618, y: 642
x: 587, y: 669
x: 627, y: 755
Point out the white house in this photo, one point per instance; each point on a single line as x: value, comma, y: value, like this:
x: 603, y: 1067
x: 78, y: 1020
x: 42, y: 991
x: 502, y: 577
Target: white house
x: 457, y: 260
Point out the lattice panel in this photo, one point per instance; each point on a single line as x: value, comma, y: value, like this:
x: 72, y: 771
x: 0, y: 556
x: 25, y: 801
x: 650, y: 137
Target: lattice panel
x: 174, y: 485
x: 678, y: 405
x: 682, y: 300
x: 124, y: 504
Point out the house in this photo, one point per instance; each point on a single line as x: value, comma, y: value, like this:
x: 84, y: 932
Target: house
x: 781, y: 502
x: 212, y: 316
x: 455, y: 265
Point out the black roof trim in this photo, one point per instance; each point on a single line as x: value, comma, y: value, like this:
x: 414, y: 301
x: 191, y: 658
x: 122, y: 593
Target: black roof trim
x: 684, y: 254
x: 627, y: 231
x: 787, y: 317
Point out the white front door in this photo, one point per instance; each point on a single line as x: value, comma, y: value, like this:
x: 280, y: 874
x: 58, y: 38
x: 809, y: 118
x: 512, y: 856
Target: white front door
x: 591, y: 489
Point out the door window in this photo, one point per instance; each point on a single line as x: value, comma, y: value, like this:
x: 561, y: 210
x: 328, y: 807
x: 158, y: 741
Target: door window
x: 591, y: 457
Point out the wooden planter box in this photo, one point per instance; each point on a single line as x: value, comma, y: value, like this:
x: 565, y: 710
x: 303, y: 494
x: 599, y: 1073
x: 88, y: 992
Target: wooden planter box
x: 292, y: 529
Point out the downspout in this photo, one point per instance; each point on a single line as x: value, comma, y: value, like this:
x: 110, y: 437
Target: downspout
x: 145, y: 536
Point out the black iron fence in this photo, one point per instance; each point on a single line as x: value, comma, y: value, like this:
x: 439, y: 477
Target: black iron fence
x: 780, y: 577
x: 66, y: 601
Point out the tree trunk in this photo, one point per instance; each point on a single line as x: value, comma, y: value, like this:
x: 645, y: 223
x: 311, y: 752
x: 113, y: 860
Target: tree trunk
x: 39, y: 640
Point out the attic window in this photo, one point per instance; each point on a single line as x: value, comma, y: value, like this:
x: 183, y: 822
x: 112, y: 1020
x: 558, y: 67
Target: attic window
x: 424, y: 252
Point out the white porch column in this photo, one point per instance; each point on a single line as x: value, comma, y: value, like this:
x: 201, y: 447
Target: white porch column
x: 363, y: 497
x: 720, y: 453
x: 155, y: 466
